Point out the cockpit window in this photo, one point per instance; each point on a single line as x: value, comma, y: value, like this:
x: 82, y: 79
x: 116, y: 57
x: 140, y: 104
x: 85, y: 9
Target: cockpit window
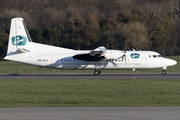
x: 156, y: 56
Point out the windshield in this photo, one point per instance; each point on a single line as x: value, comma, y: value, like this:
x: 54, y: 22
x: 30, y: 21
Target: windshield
x: 156, y: 56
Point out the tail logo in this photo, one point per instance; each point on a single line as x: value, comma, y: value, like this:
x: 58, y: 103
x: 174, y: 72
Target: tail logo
x: 19, y: 40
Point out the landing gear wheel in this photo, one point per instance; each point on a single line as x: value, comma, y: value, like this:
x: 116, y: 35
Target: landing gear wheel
x: 97, y: 72
x: 163, y: 72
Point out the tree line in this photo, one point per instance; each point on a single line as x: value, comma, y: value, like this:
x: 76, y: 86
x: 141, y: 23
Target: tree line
x: 88, y: 24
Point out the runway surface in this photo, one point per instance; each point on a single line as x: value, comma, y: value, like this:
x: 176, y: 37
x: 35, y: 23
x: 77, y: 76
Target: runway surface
x: 91, y: 113
x: 63, y: 76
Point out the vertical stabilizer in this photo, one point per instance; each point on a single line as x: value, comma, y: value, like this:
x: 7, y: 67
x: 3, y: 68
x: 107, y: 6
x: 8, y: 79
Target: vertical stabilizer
x: 19, y: 38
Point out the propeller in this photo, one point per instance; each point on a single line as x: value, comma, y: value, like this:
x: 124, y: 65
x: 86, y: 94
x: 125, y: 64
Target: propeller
x: 123, y: 56
x: 125, y: 50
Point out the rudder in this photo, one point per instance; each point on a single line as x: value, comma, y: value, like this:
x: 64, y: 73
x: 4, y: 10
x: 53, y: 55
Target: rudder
x: 19, y: 38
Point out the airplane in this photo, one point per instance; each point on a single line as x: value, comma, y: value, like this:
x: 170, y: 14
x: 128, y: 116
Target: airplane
x: 22, y: 49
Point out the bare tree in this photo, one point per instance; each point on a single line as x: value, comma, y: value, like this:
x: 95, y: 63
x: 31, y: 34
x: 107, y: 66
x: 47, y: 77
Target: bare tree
x: 136, y: 36
x: 49, y: 18
x: 6, y: 17
x: 153, y: 8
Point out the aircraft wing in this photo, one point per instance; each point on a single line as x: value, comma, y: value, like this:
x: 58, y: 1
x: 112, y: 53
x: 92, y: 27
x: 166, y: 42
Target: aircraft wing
x: 95, y: 55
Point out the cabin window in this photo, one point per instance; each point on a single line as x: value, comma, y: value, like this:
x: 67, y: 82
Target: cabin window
x: 149, y: 56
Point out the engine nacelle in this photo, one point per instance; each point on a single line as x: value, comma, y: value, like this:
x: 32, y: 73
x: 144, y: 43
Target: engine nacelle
x: 113, y: 54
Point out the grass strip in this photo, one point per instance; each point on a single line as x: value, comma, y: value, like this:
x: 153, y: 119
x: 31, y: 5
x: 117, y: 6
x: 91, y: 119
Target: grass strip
x: 73, y: 93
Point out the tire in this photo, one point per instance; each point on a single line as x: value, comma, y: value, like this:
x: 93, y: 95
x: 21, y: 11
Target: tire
x: 97, y: 72
x: 163, y: 72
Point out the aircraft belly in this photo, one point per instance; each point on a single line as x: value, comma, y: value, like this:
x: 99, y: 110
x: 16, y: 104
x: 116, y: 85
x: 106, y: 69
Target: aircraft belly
x: 74, y: 65
x: 105, y: 65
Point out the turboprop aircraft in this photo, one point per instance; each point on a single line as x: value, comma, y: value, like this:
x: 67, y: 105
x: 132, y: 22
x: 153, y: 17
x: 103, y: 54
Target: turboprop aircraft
x: 22, y: 49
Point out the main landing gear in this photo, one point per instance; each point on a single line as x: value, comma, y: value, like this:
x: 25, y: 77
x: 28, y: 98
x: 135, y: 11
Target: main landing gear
x: 97, y: 72
x: 163, y: 72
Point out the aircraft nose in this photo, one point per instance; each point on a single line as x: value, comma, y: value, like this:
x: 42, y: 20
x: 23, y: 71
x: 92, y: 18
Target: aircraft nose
x: 174, y: 62
x: 170, y: 62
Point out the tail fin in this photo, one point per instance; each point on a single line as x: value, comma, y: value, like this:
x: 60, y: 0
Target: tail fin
x: 19, y: 38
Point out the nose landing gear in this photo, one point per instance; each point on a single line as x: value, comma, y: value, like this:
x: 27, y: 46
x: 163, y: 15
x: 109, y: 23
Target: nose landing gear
x: 163, y: 72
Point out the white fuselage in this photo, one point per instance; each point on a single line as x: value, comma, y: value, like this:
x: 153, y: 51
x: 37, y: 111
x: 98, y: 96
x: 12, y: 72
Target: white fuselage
x: 62, y: 58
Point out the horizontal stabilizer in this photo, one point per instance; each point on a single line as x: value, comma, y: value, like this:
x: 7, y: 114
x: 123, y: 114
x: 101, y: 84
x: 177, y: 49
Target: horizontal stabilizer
x: 22, y: 50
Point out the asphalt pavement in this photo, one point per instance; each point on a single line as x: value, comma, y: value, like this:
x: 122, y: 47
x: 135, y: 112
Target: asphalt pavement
x: 90, y: 113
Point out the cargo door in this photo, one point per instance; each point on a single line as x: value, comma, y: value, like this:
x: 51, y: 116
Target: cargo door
x: 144, y: 62
x: 54, y: 61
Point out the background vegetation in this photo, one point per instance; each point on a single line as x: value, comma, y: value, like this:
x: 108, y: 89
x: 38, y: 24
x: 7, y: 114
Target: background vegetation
x: 87, y: 24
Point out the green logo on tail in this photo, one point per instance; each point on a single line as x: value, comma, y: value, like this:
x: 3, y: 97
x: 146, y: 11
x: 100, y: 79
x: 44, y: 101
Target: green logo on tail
x: 19, y: 40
